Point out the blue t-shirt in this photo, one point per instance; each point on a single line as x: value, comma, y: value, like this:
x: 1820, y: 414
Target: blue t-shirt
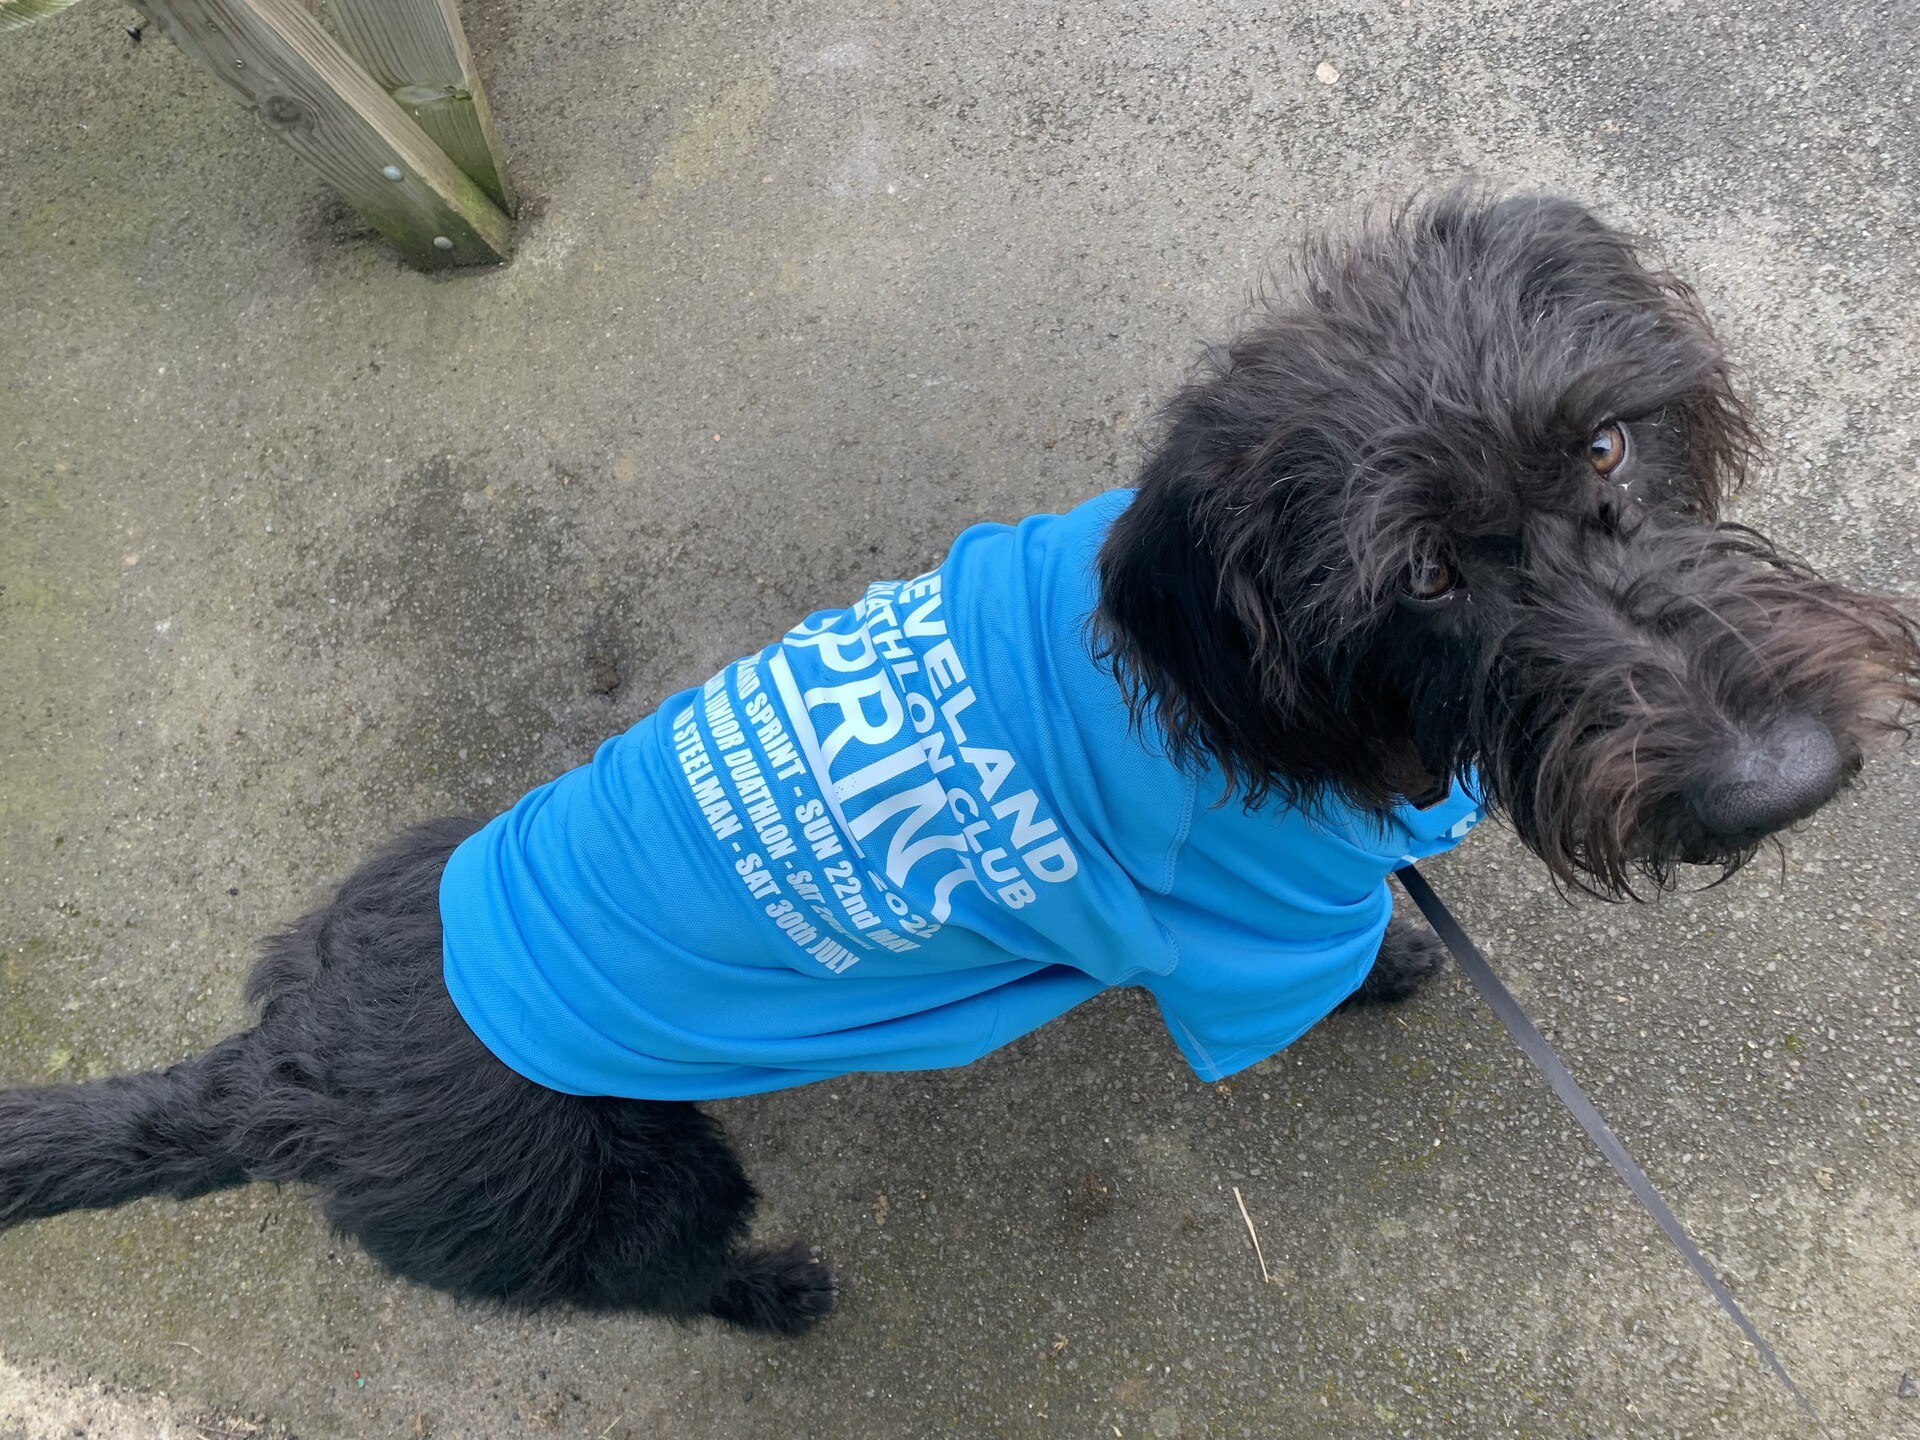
x: 908, y: 833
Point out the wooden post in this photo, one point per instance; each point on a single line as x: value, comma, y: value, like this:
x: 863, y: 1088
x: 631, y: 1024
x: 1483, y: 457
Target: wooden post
x: 16, y: 13
x: 417, y: 51
x: 275, y: 57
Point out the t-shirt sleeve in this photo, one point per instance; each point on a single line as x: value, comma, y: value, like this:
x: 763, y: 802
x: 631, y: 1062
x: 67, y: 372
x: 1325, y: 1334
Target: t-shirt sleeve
x: 1276, y: 915
x: 1236, y: 996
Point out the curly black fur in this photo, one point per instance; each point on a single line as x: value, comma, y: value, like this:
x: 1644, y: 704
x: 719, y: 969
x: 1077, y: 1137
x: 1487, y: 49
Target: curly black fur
x: 1424, y: 394
x: 1373, y: 553
x: 362, y: 1080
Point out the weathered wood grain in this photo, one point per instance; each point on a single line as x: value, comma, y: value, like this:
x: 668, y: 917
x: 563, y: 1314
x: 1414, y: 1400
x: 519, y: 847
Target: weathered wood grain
x: 335, y: 116
x: 418, y: 52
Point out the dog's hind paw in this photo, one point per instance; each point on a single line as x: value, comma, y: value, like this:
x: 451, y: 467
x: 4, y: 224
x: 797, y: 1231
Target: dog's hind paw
x: 785, y: 1289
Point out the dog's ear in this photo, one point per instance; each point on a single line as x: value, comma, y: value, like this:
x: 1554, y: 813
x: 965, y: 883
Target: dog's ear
x: 1184, y: 659
x: 1573, y: 254
x: 1192, y: 602
x: 1722, y: 443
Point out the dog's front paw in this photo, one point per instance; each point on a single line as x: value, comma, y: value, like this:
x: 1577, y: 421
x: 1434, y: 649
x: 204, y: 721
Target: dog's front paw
x: 786, y: 1290
x: 1410, y: 955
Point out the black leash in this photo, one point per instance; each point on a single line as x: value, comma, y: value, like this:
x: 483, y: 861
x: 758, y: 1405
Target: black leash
x: 1534, y: 1045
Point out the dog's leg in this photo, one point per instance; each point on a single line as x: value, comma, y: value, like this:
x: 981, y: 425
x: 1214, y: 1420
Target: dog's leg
x: 1410, y: 955
x: 785, y: 1288
x: 362, y: 1080
x: 672, y: 1210
x: 455, y: 1172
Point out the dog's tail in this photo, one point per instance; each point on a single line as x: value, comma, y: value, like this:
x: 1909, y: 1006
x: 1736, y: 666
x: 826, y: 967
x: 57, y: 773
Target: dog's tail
x: 104, y: 1142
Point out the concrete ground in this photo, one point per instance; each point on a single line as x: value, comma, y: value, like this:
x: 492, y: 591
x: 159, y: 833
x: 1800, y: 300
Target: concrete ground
x: 297, y: 545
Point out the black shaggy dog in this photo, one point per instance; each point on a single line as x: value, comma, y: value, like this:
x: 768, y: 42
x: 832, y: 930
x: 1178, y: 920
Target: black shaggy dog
x: 1449, y: 508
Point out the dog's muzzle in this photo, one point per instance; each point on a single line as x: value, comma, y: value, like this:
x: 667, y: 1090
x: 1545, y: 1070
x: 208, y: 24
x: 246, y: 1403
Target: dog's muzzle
x: 1768, y: 781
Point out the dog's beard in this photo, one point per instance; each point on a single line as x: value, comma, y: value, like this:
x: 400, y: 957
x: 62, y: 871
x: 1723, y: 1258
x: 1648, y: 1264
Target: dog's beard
x: 1605, y: 719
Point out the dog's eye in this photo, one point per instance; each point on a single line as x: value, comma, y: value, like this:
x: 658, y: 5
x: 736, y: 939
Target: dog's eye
x: 1430, y: 579
x: 1607, y: 450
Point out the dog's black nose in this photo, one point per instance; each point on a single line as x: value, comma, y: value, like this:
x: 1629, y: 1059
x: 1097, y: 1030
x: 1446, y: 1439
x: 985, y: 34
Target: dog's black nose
x: 1768, y: 781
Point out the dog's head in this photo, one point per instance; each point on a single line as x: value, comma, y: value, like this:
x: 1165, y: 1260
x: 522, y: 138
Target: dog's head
x: 1452, y: 505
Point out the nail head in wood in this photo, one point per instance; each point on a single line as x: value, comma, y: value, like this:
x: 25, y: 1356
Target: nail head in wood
x: 276, y: 57
x: 415, y: 50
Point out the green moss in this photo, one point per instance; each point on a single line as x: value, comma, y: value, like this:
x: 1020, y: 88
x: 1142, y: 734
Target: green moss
x: 85, y: 227
x: 43, y: 1038
x: 715, y: 139
x: 51, y: 575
